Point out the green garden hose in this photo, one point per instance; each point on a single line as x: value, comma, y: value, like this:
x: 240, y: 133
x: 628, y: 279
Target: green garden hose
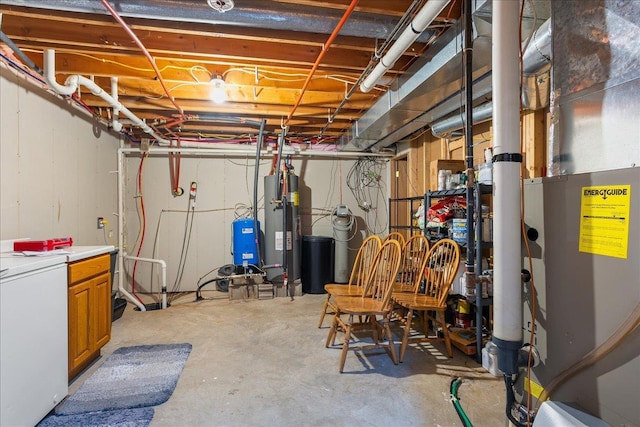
x: 453, y: 390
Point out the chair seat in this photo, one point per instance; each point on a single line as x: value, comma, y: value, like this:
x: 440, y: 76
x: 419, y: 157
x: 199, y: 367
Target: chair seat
x: 399, y: 287
x: 416, y: 302
x: 335, y: 289
x: 360, y: 306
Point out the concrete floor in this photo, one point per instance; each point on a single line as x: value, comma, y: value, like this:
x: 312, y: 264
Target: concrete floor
x: 264, y: 363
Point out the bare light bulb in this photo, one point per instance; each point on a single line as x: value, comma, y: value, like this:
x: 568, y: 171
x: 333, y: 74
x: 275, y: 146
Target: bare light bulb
x: 218, y: 92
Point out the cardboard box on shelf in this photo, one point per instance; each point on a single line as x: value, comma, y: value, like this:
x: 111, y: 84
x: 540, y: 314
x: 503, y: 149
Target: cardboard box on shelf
x: 442, y: 164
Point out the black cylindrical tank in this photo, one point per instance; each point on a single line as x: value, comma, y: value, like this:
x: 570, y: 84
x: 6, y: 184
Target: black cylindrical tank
x: 316, y: 263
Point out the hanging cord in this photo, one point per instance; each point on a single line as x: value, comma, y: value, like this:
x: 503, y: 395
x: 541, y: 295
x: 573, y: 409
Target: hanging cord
x: 143, y: 224
x: 186, y: 240
x: 453, y: 392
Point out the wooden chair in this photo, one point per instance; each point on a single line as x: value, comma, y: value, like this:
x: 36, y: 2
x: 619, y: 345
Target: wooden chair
x: 414, y: 260
x: 395, y: 235
x: 359, y: 272
x: 374, y: 303
x: 430, y: 300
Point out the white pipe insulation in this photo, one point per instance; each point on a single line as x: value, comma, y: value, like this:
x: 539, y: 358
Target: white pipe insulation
x: 72, y: 83
x: 507, y: 293
x: 420, y: 22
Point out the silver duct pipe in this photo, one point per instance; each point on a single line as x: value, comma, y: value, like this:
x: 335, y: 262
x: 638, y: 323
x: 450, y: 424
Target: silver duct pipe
x: 536, y: 56
x: 538, y: 52
x: 443, y: 128
x: 256, y: 14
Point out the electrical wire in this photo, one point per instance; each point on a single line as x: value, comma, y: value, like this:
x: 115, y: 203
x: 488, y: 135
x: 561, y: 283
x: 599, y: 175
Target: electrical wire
x: 186, y: 240
x: 364, y: 175
x: 365, y: 182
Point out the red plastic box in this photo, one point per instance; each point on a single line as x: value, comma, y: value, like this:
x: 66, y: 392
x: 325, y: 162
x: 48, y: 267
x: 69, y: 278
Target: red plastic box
x: 42, y: 245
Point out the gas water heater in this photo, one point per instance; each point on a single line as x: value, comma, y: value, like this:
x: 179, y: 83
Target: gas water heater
x: 276, y: 238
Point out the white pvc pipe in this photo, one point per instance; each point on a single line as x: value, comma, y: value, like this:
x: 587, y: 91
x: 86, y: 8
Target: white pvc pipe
x: 115, y: 124
x: 121, y: 253
x: 163, y: 265
x: 507, y: 294
x: 212, y: 152
x: 421, y: 21
x: 72, y: 83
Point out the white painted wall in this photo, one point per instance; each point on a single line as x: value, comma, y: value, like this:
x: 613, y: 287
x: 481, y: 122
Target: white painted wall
x: 57, y: 167
x: 225, y: 183
x: 58, y: 175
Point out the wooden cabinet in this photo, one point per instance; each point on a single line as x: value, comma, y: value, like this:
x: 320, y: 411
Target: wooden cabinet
x: 89, y: 311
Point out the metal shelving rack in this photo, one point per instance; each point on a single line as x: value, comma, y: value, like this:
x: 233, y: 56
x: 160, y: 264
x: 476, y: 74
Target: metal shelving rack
x: 476, y: 229
x: 480, y: 302
x: 412, y: 209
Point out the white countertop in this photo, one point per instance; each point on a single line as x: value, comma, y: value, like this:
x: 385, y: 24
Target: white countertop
x: 80, y: 252
x: 12, y: 263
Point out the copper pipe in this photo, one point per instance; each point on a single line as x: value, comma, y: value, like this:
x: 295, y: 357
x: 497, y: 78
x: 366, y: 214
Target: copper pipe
x: 325, y: 48
x: 144, y: 50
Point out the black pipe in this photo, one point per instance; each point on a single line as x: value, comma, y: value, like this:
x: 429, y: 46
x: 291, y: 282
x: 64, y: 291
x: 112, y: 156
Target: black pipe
x: 20, y: 53
x: 278, y: 157
x: 284, y: 235
x: 510, y: 401
x: 256, y: 232
x: 468, y: 134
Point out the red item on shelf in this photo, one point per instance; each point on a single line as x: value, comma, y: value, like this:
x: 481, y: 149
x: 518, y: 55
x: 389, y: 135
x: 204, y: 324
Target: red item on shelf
x: 42, y: 245
x: 444, y: 210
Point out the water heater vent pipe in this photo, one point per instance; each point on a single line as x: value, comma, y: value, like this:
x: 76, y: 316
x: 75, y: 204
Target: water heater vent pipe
x: 507, y: 293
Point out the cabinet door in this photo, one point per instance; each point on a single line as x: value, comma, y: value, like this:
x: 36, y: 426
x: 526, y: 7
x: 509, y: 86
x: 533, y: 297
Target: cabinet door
x: 81, y: 335
x: 101, y: 309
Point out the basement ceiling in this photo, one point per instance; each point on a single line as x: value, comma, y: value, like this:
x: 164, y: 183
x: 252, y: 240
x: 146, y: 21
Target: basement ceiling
x: 264, y: 50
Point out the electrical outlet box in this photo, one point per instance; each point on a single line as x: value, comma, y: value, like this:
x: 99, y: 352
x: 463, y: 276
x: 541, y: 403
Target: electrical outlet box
x: 100, y: 223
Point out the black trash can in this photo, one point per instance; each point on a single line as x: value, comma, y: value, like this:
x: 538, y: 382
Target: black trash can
x: 316, y: 263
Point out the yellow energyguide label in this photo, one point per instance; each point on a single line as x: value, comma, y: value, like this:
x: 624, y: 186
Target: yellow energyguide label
x: 604, y: 220
x: 533, y: 388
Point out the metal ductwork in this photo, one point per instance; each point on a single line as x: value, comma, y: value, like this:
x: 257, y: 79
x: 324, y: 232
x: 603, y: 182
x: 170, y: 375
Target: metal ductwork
x: 443, y: 128
x: 420, y: 22
x: 535, y: 92
x: 257, y: 14
x: 430, y: 89
x: 538, y: 52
